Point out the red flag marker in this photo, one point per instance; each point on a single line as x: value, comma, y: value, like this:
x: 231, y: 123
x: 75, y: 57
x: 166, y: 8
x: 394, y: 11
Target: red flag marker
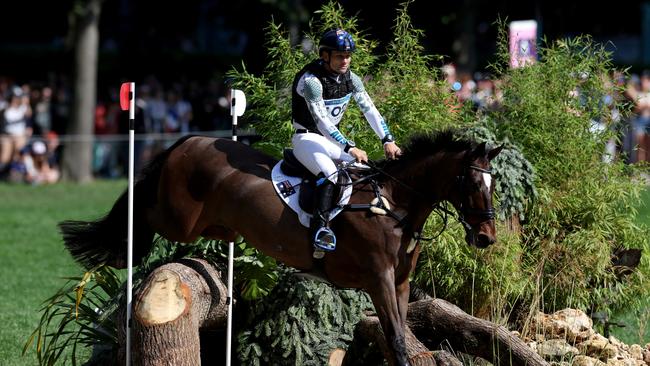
x: 125, y: 96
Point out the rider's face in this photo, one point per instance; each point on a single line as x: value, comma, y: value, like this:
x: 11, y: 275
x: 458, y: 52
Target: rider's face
x: 337, y: 61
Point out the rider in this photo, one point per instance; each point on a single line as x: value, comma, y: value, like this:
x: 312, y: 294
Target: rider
x: 320, y: 95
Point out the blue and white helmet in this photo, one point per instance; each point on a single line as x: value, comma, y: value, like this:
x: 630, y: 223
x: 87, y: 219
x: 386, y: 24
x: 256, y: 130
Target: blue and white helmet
x: 336, y: 40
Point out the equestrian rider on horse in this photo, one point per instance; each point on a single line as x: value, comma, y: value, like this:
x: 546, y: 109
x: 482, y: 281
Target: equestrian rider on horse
x: 320, y: 95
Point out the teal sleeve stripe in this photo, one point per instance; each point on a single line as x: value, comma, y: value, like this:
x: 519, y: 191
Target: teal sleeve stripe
x: 336, y: 135
x: 384, y: 126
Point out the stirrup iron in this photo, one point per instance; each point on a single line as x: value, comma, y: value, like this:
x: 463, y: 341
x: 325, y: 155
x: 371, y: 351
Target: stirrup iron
x: 325, y: 239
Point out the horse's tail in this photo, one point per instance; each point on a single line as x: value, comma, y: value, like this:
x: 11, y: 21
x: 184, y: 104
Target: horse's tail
x: 104, y: 241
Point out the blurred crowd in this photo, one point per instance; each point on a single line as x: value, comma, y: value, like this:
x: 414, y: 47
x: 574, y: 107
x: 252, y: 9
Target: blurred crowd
x: 482, y: 92
x: 34, y: 117
x: 163, y: 113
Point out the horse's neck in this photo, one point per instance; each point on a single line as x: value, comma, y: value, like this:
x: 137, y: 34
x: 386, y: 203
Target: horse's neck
x: 428, y: 180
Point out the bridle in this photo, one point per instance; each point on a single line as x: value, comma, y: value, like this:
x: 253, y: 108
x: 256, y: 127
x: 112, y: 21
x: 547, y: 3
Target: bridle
x: 463, y: 211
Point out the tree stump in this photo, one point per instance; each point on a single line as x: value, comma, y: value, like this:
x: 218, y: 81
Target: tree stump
x: 172, y: 305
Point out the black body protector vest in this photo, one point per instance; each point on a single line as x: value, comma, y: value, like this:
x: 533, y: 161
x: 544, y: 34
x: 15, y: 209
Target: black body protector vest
x: 332, y: 89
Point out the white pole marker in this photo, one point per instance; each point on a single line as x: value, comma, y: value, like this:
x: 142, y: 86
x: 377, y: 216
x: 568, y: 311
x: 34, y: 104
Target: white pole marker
x: 237, y: 108
x: 127, y: 100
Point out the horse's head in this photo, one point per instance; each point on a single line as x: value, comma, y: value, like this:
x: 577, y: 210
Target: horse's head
x: 472, y: 196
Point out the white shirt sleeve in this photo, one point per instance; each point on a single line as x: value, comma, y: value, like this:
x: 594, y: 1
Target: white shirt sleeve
x: 368, y: 108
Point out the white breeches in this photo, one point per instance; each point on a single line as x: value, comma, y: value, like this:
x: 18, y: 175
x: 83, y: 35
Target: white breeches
x: 317, y: 154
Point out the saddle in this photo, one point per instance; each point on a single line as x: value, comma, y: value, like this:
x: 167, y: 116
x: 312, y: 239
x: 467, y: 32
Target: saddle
x: 292, y: 167
x: 303, y: 182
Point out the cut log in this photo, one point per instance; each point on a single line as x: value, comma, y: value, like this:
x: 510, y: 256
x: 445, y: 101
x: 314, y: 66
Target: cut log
x: 437, y: 322
x: 172, y: 305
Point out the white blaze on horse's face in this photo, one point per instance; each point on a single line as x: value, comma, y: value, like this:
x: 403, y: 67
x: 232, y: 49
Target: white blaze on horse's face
x: 487, y: 180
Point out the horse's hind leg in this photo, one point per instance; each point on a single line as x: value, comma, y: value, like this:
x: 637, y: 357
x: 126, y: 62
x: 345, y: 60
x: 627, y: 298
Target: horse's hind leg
x: 384, y: 297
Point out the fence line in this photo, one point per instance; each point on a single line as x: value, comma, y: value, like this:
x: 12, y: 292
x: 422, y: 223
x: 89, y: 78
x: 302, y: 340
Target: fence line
x: 68, y: 138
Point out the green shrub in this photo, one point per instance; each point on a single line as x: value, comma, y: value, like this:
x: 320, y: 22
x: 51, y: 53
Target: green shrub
x: 575, y: 208
x: 586, y: 206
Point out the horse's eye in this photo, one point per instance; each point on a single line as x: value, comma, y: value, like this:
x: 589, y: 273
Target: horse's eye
x: 475, y: 186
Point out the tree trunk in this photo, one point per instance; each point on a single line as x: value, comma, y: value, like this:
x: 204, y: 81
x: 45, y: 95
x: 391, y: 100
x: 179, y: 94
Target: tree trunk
x: 172, y: 305
x: 437, y: 322
x: 77, y: 155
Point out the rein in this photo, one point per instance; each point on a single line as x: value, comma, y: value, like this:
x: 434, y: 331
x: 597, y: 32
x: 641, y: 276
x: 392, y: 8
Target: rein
x: 485, y: 215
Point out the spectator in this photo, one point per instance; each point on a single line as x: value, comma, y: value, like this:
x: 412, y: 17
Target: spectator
x: 17, y: 126
x: 155, y: 112
x: 42, y: 110
x: 484, y: 98
x: 179, y: 113
x: 640, y: 125
x: 53, y: 150
x: 449, y: 73
x: 37, y: 165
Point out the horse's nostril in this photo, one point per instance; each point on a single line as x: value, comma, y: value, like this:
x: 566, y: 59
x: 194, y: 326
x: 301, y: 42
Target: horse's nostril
x: 485, y: 240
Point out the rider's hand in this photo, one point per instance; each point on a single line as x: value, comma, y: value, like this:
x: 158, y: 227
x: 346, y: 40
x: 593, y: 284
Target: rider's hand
x: 392, y: 151
x: 358, y: 154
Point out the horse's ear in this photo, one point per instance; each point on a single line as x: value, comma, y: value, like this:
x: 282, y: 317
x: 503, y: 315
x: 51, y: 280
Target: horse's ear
x: 494, y: 152
x: 479, y: 151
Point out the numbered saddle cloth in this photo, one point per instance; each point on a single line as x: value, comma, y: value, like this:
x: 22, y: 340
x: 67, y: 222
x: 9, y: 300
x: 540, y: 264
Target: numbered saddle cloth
x: 288, y: 189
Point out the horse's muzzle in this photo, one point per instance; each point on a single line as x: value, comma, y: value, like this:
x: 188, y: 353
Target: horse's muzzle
x: 485, y: 240
x: 480, y: 239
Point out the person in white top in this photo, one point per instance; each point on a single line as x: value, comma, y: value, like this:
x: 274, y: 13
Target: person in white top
x: 17, y: 129
x: 320, y: 95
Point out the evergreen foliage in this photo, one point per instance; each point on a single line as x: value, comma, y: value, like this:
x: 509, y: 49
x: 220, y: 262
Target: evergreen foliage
x: 300, y: 323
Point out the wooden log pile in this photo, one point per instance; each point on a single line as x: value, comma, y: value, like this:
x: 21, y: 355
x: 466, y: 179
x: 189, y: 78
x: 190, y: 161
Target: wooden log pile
x: 178, y: 301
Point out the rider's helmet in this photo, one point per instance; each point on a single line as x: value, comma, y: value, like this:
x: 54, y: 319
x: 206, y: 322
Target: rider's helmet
x: 336, y: 40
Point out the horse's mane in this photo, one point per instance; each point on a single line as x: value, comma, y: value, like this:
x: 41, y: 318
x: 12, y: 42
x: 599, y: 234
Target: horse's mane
x: 428, y: 143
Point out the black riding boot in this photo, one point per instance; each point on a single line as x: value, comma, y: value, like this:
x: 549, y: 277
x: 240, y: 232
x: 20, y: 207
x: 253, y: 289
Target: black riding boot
x: 324, y: 238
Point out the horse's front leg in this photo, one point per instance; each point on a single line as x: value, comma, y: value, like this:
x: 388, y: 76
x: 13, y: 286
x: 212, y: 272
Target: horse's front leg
x: 403, y: 292
x: 384, y: 297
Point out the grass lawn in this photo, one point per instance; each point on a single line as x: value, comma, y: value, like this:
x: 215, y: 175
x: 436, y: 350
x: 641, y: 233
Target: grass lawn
x: 33, y: 259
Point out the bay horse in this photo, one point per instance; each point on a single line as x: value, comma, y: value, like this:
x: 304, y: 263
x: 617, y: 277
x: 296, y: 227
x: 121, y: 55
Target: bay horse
x: 218, y: 189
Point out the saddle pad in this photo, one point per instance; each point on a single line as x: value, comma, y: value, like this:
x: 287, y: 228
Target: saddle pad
x: 288, y: 189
